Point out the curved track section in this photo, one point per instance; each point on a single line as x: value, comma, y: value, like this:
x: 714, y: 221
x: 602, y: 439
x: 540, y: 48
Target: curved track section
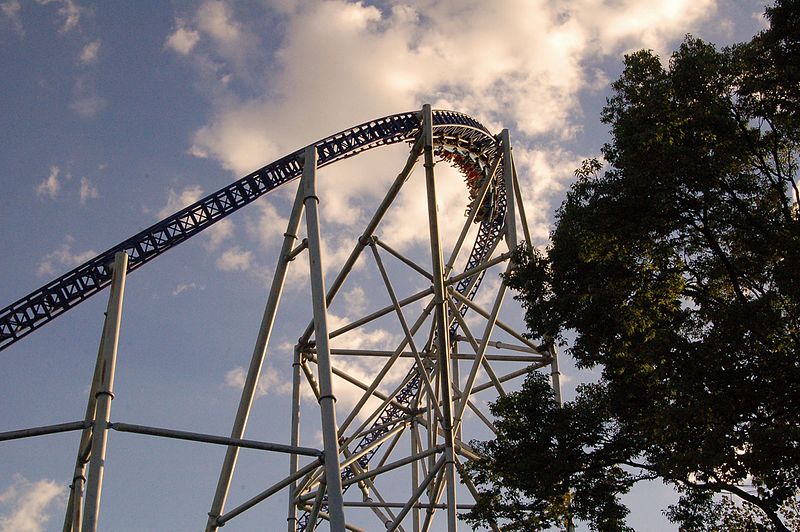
x: 453, y: 129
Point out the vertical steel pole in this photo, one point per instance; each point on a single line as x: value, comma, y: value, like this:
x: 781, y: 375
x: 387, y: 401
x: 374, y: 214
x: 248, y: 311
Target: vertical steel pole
x: 74, y: 514
x: 295, y: 438
x: 415, y: 449
x: 327, y: 401
x: 442, y: 332
x: 457, y: 381
x: 105, y: 393
x: 555, y: 372
x: 508, y: 180
x: 256, y: 363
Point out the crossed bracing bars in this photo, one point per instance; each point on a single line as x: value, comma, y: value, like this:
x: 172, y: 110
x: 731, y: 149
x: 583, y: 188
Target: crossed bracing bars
x: 425, y: 411
x: 428, y: 405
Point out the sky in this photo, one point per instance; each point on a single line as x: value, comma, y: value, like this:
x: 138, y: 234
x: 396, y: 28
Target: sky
x: 115, y: 114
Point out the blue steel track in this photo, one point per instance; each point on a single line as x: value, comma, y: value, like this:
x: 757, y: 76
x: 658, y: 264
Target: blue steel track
x: 451, y: 129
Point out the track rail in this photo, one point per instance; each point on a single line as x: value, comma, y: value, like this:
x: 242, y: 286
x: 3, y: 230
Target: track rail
x: 41, y: 306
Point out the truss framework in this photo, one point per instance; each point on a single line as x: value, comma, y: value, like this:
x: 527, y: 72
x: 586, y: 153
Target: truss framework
x: 414, y: 428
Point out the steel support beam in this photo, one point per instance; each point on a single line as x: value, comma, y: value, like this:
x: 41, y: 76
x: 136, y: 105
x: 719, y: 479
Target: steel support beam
x: 380, y: 313
x: 217, y: 440
x: 105, y: 393
x: 402, y: 258
x: 41, y: 431
x: 354, y: 381
x: 372, y: 504
x: 272, y: 490
x: 73, y: 518
x: 508, y: 180
x: 256, y: 363
x: 327, y: 400
x: 555, y: 372
x: 418, y: 493
x: 441, y: 317
x: 384, y: 370
x: 291, y: 518
x: 406, y: 330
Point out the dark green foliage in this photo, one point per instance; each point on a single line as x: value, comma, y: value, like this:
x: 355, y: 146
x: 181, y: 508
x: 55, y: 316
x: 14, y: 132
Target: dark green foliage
x: 531, y: 467
x: 678, y: 271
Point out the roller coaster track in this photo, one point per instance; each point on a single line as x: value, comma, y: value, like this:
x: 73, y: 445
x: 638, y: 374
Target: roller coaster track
x: 453, y: 129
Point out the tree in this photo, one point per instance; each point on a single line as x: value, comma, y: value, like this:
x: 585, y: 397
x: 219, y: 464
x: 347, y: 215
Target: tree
x: 675, y: 266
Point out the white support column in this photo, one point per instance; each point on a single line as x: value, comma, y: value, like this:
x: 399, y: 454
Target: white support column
x: 415, y: 465
x: 256, y: 363
x: 291, y: 518
x: 442, y: 332
x: 73, y: 519
x: 105, y: 393
x: 456, y: 381
x: 327, y: 401
x: 555, y: 372
x: 508, y: 180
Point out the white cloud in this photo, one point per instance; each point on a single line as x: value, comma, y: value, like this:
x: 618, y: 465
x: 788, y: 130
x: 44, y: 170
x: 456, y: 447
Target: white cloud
x: 240, y: 135
x: 88, y: 190
x: 63, y: 256
x: 26, y: 505
x: 518, y: 63
x: 234, y: 42
x: 269, y: 382
x: 632, y: 24
x: 215, y: 18
x: 88, y: 106
x: 522, y: 64
x: 544, y: 173
x: 407, y: 223
x: 50, y: 185
x: 183, y: 39
x: 761, y: 19
x: 179, y: 200
x: 85, y: 100
x: 183, y: 287
x: 10, y: 11
x: 268, y: 226
x: 356, y: 300
x: 235, y: 259
x: 89, y: 53
x: 218, y: 233
x: 219, y: 45
x: 69, y: 11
